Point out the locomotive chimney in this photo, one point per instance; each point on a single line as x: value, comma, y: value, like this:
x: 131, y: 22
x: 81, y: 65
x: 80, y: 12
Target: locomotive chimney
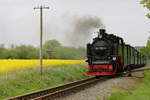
x: 101, y: 32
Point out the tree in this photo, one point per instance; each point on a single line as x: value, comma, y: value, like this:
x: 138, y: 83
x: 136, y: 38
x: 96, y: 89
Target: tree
x: 31, y: 52
x: 146, y: 50
x: 3, y: 52
x: 69, y: 53
x: 50, y: 45
x: 148, y: 42
x: 26, y: 52
x: 146, y: 4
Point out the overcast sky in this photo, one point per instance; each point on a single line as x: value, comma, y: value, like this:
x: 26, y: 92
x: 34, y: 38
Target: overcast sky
x: 19, y: 23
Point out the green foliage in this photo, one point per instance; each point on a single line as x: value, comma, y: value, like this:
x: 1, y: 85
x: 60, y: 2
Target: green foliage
x: 22, y: 52
x: 146, y: 50
x: 31, y: 52
x: 62, y: 52
x: 148, y: 42
x: 69, y: 53
x: 3, y: 52
x: 50, y: 45
x: 146, y: 4
x: 26, y: 52
x: 25, y: 81
x: 139, y: 93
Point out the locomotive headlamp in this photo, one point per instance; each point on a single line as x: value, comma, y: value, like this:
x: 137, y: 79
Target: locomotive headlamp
x: 114, y: 58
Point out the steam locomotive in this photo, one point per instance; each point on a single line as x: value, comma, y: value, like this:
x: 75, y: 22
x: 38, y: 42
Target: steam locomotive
x: 109, y: 55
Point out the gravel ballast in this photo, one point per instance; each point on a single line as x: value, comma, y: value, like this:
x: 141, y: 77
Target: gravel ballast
x: 101, y: 89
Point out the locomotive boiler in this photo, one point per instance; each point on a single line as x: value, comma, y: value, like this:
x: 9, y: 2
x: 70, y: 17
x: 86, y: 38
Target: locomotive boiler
x: 109, y: 55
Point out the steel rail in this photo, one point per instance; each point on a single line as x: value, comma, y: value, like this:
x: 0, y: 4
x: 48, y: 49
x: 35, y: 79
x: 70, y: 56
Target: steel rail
x: 67, y: 90
x: 140, y: 69
x: 50, y: 90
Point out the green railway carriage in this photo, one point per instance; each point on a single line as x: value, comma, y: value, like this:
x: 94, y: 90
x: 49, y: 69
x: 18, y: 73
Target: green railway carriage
x: 130, y: 57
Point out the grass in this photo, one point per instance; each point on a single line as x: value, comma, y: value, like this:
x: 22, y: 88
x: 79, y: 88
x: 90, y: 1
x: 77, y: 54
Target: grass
x: 140, y: 92
x: 137, y: 92
x: 28, y: 80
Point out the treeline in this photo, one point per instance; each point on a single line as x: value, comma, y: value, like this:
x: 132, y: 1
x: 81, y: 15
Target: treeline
x: 30, y: 52
x: 146, y: 50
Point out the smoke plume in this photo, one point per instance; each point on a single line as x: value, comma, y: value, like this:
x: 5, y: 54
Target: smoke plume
x: 72, y: 30
x: 80, y: 28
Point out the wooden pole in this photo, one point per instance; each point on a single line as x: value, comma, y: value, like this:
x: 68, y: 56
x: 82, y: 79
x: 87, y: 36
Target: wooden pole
x: 41, y: 35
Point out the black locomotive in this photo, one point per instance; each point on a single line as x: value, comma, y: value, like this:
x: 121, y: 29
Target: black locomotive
x: 109, y: 55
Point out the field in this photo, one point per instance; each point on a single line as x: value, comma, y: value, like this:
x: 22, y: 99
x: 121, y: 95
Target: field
x: 23, y: 76
x: 17, y: 64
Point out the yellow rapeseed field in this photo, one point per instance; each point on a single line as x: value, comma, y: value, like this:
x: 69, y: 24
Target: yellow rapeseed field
x: 17, y: 64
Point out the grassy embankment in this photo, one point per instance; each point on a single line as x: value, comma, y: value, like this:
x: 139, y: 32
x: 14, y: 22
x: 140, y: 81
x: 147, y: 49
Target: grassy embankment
x: 136, y: 92
x: 140, y: 92
x: 28, y: 80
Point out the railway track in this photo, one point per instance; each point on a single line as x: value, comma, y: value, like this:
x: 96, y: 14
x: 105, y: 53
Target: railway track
x: 52, y: 93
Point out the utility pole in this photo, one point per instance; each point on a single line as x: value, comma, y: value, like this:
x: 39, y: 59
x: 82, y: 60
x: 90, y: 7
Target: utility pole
x: 41, y: 34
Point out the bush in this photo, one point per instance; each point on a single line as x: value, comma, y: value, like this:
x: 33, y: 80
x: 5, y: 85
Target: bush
x: 31, y: 52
